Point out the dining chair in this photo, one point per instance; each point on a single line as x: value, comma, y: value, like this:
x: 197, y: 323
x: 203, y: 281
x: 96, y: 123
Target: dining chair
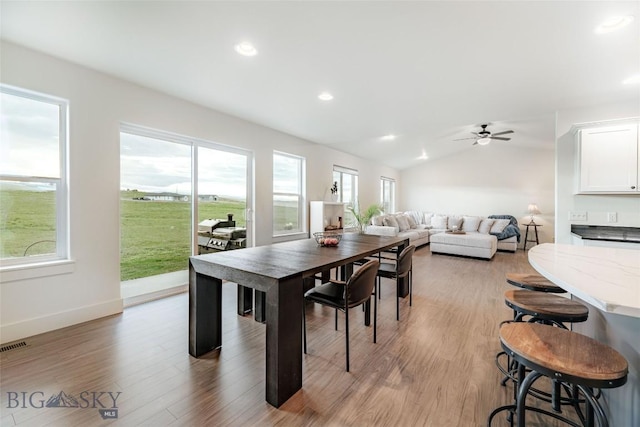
x: 340, y: 295
x: 402, y: 269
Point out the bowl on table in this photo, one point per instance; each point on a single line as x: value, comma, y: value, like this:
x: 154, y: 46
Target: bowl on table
x: 327, y: 238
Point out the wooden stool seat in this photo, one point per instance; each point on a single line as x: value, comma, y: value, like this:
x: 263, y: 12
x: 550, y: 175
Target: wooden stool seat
x: 545, y: 306
x: 564, y: 355
x: 533, y: 282
x: 575, y: 361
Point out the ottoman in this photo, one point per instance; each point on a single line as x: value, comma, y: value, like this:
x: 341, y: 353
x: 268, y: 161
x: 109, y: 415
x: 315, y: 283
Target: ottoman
x: 478, y: 245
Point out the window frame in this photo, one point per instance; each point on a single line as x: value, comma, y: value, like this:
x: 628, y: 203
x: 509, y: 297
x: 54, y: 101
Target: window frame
x: 392, y: 183
x: 301, y: 195
x: 63, y: 250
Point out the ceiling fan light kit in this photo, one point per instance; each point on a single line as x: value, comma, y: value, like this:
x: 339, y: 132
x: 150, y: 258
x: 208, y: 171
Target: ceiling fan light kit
x: 484, y: 137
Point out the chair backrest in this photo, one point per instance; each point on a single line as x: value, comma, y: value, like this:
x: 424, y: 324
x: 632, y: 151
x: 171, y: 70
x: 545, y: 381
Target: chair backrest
x: 405, y: 260
x: 360, y: 285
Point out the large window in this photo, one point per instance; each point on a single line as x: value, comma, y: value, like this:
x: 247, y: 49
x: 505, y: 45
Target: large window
x: 388, y: 194
x: 33, y: 184
x: 288, y: 194
x: 347, y: 181
x: 165, y: 179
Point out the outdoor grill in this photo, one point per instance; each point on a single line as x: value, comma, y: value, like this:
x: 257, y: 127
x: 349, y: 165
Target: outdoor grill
x: 216, y: 235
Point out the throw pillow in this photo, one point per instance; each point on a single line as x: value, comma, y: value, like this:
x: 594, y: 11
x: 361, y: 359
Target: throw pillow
x: 439, y: 221
x: 454, y: 220
x: 403, y: 222
x: 485, y: 225
x: 390, y: 221
x: 471, y: 223
x: 378, y: 220
x: 412, y: 222
x: 499, y: 225
x: 427, y: 218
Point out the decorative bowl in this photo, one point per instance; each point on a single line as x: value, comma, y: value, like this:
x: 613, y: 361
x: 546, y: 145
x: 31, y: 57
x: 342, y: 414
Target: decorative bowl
x: 328, y: 238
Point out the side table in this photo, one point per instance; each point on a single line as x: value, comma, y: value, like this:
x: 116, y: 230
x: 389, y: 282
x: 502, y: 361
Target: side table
x: 526, y: 234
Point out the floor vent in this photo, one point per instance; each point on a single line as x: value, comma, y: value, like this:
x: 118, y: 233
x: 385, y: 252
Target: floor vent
x: 13, y: 346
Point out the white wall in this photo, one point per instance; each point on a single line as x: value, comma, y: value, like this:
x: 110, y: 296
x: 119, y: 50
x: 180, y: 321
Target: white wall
x: 485, y: 180
x: 98, y: 104
x: 596, y: 206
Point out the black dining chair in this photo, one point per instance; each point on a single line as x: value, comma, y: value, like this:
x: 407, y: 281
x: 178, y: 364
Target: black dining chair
x: 357, y: 290
x: 401, y: 269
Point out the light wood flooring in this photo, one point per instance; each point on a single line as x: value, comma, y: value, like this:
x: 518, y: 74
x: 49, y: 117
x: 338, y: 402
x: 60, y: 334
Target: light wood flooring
x: 435, y: 367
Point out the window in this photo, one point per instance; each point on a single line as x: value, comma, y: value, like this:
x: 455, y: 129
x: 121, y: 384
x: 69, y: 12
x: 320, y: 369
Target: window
x: 288, y: 194
x: 347, y: 180
x: 164, y: 179
x: 33, y: 177
x: 388, y: 194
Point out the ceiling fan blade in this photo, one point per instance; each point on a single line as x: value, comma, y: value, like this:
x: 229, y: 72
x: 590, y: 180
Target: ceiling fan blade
x: 500, y: 138
x: 475, y: 143
x: 502, y: 133
x: 462, y: 139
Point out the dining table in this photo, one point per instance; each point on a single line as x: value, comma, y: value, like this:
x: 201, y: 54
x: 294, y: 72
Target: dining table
x: 279, y: 271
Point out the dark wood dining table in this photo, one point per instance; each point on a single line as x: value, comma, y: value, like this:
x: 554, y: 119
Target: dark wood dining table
x: 279, y: 271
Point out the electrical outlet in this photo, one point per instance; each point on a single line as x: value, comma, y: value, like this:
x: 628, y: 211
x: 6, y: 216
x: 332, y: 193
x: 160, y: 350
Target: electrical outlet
x: 577, y: 216
x: 612, y: 217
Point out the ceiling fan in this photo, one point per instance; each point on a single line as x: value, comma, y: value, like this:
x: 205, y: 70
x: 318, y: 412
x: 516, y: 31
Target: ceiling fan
x: 484, y: 136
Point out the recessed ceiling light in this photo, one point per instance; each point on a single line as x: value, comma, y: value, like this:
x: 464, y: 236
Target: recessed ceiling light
x: 389, y: 137
x: 614, y: 23
x: 246, y: 49
x: 423, y: 156
x: 325, y: 96
x: 632, y: 80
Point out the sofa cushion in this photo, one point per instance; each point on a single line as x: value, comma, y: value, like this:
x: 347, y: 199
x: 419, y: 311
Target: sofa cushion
x: 499, y: 225
x: 412, y: 222
x: 417, y: 217
x: 471, y: 223
x: 439, y: 221
x: 378, y: 220
x: 454, y: 221
x: 403, y: 222
x: 427, y: 218
x: 390, y: 221
x: 485, y: 225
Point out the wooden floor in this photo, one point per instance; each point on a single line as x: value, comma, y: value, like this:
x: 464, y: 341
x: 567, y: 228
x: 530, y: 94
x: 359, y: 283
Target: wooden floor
x: 435, y: 367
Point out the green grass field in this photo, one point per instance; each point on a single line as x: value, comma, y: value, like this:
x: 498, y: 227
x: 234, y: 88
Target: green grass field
x: 154, y: 236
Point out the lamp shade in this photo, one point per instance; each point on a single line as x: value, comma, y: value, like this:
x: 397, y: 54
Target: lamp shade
x: 533, y: 209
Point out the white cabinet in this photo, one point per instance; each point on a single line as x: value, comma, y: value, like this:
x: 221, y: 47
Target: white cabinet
x: 608, y: 159
x: 325, y: 215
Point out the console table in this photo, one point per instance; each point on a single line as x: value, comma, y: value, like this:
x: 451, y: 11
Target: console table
x: 279, y: 271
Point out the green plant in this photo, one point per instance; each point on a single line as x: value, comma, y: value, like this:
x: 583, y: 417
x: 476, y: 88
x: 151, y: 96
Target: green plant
x: 363, y: 218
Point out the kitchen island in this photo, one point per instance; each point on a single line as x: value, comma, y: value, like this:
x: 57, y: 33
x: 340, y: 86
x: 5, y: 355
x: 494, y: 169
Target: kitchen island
x: 608, y: 281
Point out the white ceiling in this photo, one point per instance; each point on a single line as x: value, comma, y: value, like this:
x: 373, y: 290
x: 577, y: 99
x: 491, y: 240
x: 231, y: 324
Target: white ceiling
x: 428, y: 71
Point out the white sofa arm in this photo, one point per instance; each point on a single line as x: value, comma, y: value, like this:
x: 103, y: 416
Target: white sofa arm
x: 381, y: 230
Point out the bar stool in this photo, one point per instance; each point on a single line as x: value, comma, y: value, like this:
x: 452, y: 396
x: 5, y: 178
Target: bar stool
x: 533, y: 282
x: 561, y: 355
x: 540, y: 307
x: 543, y: 307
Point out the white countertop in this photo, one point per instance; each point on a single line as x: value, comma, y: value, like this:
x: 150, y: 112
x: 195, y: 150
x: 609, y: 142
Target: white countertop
x: 607, y: 278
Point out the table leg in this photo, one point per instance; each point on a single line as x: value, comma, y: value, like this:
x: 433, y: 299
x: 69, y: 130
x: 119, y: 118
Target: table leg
x: 284, y: 340
x: 245, y: 300
x: 205, y: 313
x: 259, y: 313
x: 526, y: 237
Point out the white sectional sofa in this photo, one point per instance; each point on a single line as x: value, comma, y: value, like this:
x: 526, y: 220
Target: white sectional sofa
x: 482, y: 236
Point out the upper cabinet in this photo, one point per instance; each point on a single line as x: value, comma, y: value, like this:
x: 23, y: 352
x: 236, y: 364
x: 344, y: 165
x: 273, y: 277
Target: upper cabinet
x: 608, y: 158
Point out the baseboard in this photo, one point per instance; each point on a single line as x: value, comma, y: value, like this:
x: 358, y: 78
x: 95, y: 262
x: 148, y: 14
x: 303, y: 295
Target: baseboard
x: 28, y: 328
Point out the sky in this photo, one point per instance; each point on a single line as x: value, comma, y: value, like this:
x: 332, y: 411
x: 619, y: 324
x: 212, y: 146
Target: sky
x: 29, y: 145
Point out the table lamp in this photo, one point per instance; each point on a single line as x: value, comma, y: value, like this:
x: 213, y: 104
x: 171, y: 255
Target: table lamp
x: 533, y: 210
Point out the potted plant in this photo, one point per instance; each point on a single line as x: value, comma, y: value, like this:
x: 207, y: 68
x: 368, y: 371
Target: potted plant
x: 363, y: 218
x: 334, y: 191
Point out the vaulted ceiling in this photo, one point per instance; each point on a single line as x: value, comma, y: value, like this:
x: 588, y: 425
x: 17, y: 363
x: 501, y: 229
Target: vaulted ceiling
x: 427, y: 72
